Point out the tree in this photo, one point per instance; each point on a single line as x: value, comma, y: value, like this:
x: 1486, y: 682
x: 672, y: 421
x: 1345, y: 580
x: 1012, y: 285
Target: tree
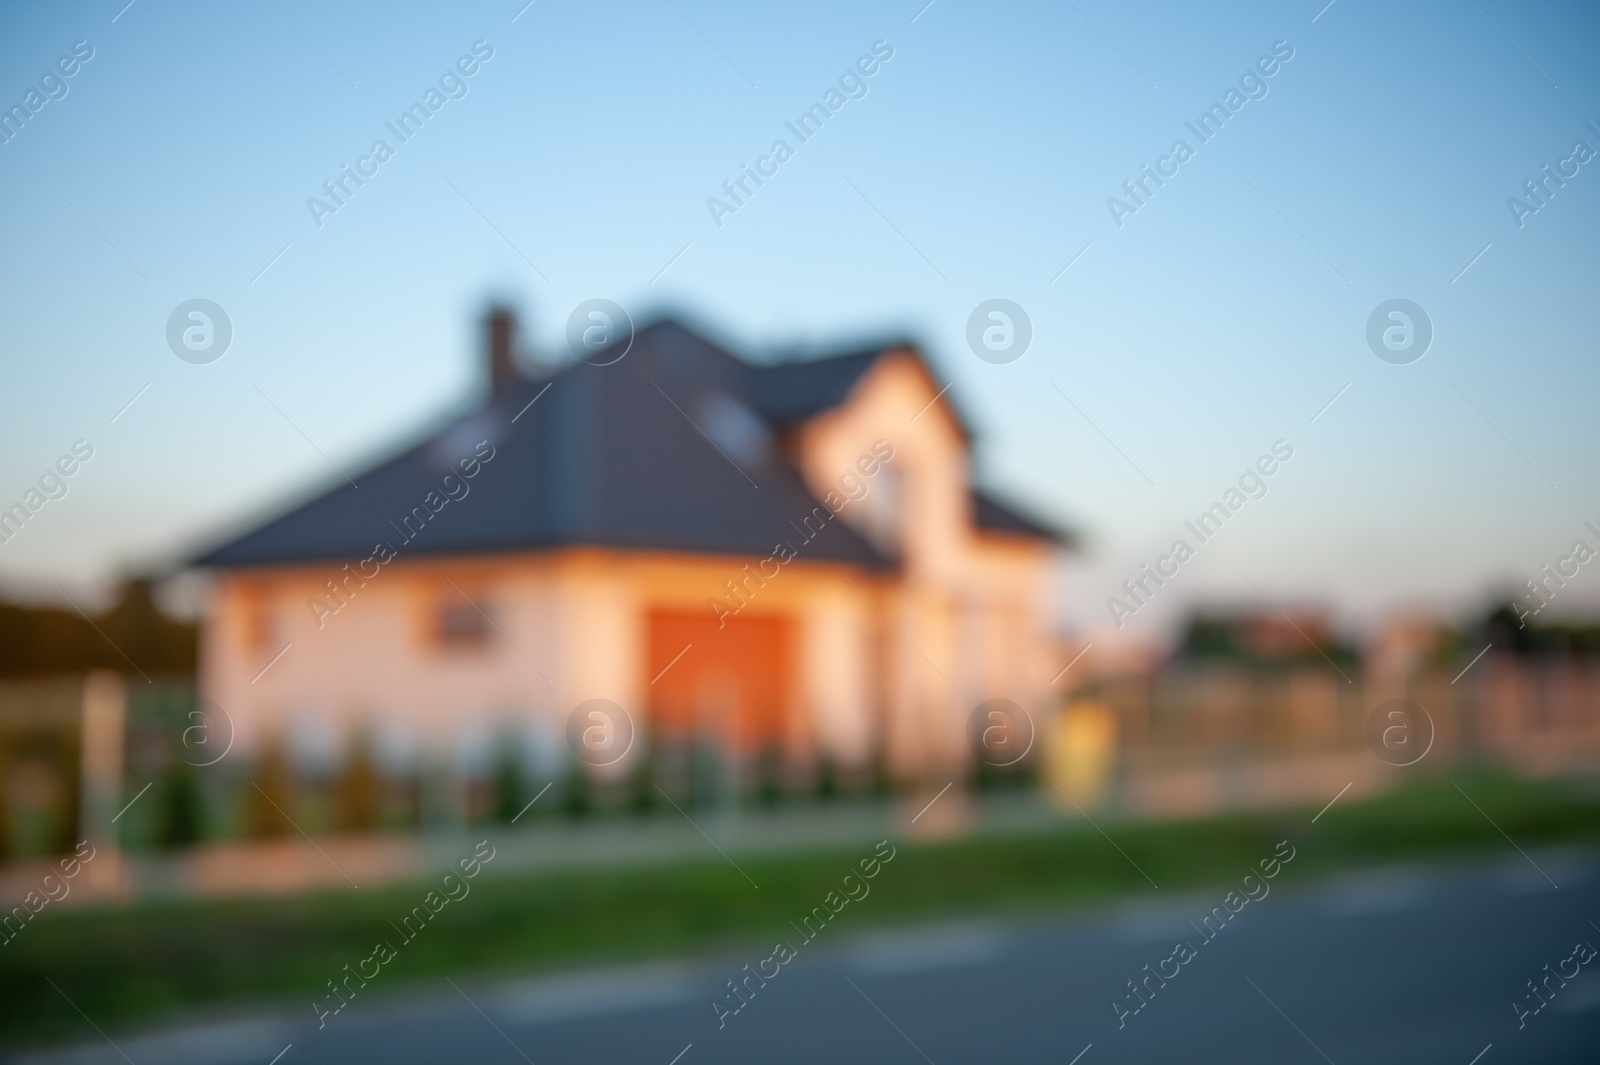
x: 359, y: 793
x: 271, y: 795
x: 180, y: 817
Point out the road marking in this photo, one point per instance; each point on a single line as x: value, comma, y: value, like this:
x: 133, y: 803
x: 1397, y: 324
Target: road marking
x: 493, y: 1025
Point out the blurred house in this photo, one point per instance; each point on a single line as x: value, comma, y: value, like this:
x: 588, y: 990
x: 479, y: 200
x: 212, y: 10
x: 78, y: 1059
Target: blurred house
x: 783, y: 565
x: 1407, y: 643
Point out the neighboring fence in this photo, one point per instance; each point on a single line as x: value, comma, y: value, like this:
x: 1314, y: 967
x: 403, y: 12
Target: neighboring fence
x: 74, y: 750
x: 41, y: 725
x: 1193, y: 737
x: 62, y: 744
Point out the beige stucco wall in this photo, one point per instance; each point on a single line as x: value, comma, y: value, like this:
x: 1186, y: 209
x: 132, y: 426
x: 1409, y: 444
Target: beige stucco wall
x: 571, y: 627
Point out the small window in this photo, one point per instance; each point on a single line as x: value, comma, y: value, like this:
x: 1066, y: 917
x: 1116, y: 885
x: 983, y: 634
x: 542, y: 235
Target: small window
x: 736, y: 430
x: 885, y: 511
x: 260, y: 621
x: 461, y: 624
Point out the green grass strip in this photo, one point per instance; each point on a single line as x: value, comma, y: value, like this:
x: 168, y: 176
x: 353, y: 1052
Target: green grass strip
x: 159, y: 959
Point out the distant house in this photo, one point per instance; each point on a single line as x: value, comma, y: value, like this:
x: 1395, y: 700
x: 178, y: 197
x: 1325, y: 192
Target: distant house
x: 784, y: 565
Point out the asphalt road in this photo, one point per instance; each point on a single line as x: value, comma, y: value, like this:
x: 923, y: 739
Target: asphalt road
x: 1413, y: 965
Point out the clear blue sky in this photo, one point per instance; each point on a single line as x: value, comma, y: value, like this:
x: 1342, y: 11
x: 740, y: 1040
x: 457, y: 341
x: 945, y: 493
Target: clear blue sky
x: 1220, y: 317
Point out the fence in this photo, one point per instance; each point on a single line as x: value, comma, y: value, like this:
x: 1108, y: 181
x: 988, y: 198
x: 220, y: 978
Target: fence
x: 1194, y: 737
x: 128, y: 765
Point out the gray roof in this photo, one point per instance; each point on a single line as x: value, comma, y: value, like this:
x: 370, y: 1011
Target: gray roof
x: 676, y: 447
x: 991, y: 515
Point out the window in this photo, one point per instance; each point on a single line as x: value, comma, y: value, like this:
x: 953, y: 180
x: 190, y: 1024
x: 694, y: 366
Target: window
x: 260, y: 623
x: 885, y: 507
x: 460, y: 624
x: 736, y: 429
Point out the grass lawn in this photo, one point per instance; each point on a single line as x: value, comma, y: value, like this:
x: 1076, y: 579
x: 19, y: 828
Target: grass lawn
x: 143, y: 961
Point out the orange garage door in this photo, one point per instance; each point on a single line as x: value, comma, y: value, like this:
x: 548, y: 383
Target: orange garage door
x: 734, y: 683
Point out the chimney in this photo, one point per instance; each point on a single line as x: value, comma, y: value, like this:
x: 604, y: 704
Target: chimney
x: 501, y: 327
